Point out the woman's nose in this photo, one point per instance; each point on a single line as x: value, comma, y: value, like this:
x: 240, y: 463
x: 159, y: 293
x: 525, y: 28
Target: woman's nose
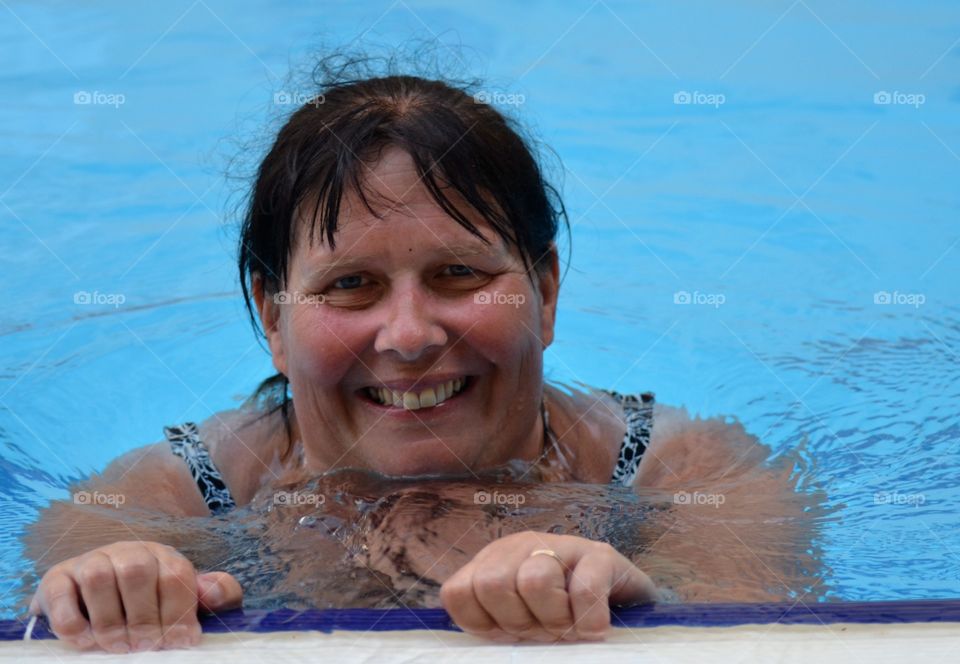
x: 411, y: 328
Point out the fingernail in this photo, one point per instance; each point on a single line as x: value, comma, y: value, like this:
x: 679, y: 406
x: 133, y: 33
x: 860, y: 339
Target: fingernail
x: 144, y: 644
x: 119, y: 647
x: 85, y: 641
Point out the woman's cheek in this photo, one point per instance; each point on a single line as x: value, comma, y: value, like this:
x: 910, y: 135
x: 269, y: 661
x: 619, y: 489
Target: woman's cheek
x: 322, y: 345
x: 503, y: 325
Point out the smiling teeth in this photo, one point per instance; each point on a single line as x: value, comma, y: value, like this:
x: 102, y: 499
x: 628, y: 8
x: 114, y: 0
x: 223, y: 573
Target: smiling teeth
x: 427, y: 398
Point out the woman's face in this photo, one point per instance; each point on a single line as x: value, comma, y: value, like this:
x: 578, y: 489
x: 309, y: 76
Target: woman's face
x: 408, y: 306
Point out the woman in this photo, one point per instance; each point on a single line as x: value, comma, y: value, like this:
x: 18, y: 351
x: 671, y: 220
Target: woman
x: 398, y: 251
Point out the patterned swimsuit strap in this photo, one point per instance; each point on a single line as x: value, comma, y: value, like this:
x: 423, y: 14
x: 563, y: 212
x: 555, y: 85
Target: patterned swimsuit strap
x: 185, y: 443
x: 639, y: 415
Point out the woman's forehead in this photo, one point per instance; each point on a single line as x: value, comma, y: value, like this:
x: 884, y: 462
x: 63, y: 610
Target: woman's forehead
x: 403, y: 210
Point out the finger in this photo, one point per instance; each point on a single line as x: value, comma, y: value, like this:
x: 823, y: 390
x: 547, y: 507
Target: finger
x: 588, y: 591
x: 495, y: 588
x: 58, y: 598
x: 177, y: 585
x: 542, y: 585
x: 218, y: 591
x: 631, y: 585
x: 98, y: 590
x: 136, y: 572
x: 457, y: 598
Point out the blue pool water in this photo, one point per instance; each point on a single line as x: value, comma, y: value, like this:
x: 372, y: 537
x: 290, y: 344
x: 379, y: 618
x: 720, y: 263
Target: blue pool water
x: 813, y: 227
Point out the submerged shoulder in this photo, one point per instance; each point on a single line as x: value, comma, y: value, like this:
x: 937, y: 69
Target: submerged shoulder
x: 149, y: 477
x: 243, y: 446
x: 589, y: 425
x: 150, y: 481
x: 687, y: 449
x: 247, y: 446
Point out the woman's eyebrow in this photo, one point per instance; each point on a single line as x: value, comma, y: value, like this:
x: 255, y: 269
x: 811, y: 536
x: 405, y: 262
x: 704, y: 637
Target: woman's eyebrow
x: 467, y: 250
x: 456, y: 251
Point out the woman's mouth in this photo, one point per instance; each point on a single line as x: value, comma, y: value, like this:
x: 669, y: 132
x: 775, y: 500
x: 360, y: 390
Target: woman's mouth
x: 415, y: 400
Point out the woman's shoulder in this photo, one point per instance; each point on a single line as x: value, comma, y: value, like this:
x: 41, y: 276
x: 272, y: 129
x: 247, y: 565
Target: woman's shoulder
x: 150, y: 478
x: 591, y: 425
x: 248, y: 446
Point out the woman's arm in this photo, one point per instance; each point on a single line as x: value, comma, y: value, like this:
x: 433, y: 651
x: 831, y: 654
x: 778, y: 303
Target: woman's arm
x: 740, y: 530
x: 147, y: 481
x: 113, y: 574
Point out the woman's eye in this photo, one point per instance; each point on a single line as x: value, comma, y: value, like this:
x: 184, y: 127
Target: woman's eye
x: 463, y: 278
x: 354, y: 291
x: 461, y: 271
x: 347, y: 283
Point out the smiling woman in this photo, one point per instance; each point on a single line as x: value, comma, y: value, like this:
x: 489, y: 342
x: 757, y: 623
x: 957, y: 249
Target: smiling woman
x: 399, y: 255
x: 405, y: 317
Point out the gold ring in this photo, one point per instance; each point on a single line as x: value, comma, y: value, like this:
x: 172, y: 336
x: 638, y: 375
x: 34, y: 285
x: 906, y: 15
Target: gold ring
x: 548, y: 552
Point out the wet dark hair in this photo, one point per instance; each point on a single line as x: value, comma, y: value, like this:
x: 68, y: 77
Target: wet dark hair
x: 455, y: 140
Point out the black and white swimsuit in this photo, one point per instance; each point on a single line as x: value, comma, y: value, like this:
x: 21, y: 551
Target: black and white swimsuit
x: 185, y: 443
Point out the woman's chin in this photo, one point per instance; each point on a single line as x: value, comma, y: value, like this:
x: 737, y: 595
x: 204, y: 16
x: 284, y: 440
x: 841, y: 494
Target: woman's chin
x: 428, y: 457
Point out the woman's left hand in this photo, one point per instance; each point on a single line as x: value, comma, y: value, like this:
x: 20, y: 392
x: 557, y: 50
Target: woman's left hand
x: 507, y: 594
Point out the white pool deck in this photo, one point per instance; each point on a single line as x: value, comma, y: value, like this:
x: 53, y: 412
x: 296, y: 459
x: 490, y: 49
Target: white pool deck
x: 929, y: 643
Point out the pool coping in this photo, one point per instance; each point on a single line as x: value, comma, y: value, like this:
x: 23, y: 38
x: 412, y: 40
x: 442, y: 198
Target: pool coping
x: 657, y: 615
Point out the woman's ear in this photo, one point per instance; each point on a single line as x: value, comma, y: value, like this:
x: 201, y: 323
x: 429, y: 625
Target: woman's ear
x: 548, y: 284
x: 269, y: 310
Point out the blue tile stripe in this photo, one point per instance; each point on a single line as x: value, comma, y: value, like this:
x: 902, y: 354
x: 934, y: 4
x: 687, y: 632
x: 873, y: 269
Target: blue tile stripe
x: 690, y: 615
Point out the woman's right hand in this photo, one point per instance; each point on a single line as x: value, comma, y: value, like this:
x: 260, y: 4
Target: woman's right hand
x: 131, y: 596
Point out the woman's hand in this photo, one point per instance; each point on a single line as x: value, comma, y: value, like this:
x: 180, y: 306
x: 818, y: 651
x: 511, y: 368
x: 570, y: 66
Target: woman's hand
x: 507, y: 594
x: 131, y: 596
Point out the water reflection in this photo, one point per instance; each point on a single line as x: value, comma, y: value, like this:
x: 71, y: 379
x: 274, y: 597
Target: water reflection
x: 351, y: 539
x: 357, y: 539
